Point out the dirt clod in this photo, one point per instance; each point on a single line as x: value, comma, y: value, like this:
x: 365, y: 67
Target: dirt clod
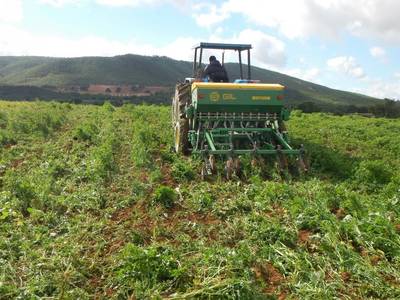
x: 345, y: 276
x: 270, y: 275
x: 303, y: 236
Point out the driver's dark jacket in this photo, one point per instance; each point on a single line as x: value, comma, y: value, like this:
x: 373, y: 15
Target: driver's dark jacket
x: 216, y: 72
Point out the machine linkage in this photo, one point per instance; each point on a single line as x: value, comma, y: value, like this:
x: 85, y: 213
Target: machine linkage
x: 286, y: 166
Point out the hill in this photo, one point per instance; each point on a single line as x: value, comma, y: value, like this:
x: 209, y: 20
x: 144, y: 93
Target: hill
x: 94, y: 205
x: 153, y: 70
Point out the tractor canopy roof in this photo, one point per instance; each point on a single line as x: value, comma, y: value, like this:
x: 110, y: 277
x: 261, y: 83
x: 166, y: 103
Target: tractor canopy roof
x: 237, y: 47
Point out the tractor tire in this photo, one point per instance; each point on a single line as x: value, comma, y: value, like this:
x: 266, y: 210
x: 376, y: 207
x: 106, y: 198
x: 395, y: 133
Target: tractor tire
x: 181, y: 123
x: 180, y: 100
x: 181, y: 137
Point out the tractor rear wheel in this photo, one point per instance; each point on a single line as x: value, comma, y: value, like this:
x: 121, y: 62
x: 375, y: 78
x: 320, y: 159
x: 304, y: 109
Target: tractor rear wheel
x: 181, y: 137
x: 181, y: 123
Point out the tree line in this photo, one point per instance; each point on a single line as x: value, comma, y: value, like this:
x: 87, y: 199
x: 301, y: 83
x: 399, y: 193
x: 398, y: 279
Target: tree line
x: 389, y: 108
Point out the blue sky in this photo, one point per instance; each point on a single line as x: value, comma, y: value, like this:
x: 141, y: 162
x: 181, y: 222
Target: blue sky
x: 350, y: 45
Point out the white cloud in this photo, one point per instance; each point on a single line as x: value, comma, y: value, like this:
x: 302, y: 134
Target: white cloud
x: 125, y: 2
x: 346, y: 65
x: 14, y: 41
x: 382, y: 89
x: 260, y: 12
x: 11, y: 11
x: 117, y: 3
x: 134, y: 3
x: 207, y: 14
x: 268, y: 51
x: 328, y: 18
x: 180, y: 49
x: 287, y: 16
x: 219, y: 30
x: 114, y: 3
x: 378, y: 52
x: 59, y: 3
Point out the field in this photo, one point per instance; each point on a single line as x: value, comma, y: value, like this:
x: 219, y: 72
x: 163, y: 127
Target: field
x: 94, y: 205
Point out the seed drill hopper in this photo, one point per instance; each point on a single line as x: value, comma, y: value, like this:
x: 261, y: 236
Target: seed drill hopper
x: 228, y: 120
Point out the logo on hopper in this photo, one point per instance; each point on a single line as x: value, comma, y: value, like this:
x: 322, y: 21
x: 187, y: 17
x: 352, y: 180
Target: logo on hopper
x: 215, y: 96
x: 228, y: 97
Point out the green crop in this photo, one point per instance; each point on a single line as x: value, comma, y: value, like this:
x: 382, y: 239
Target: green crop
x: 95, y: 205
x: 165, y: 195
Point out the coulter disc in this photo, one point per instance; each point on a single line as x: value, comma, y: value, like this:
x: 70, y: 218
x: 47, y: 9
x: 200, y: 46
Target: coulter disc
x: 229, y: 168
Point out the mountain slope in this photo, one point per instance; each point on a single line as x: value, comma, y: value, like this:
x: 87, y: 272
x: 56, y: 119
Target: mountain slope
x: 152, y: 70
x: 126, y: 69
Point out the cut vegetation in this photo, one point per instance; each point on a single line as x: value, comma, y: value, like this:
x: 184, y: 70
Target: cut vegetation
x: 93, y: 204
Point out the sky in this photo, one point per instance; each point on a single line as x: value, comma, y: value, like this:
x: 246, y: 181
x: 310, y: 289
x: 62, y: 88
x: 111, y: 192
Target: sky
x: 348, y: 45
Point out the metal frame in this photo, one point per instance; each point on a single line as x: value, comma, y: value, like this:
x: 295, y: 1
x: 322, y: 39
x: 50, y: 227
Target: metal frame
x: 213, y: 147
x: 207, y: 133
x: 221, y: 46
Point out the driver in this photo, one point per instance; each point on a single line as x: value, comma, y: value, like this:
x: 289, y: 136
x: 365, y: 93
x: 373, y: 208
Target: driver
x: 215, y: 71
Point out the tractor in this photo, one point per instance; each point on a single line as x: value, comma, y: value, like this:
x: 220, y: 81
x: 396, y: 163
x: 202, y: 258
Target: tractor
x: 226, y: 120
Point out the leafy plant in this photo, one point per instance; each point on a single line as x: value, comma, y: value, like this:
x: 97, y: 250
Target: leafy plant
x: 165, y: 195
x: 373, y: 173
x: 86, y: 132
x: 183, y: 170
x: 89, y: 208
